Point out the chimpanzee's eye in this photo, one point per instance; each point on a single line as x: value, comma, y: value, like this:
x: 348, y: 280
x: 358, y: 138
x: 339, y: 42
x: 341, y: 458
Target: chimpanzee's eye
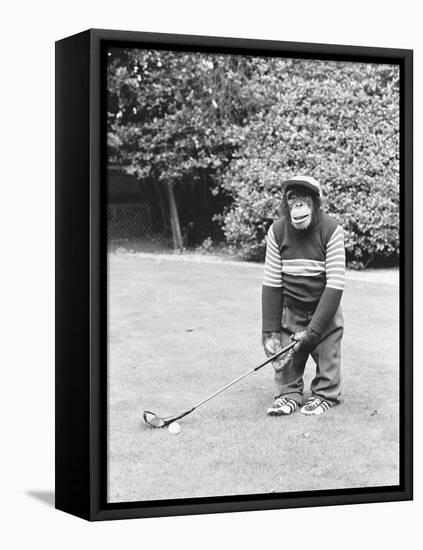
x: 292, y: 196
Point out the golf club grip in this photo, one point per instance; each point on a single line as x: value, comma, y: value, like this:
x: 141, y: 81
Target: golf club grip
x: 276, y: 355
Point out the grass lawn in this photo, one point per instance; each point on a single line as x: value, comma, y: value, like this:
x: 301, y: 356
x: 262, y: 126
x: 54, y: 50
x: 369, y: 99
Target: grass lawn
x: 180, y: 330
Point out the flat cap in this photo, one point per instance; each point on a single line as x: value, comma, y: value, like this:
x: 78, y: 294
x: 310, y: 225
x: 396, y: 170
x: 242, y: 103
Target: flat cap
x: 304, y: 181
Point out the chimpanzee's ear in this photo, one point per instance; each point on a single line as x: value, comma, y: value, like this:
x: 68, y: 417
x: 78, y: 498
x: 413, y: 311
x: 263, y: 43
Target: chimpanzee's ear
x: 318, y: 201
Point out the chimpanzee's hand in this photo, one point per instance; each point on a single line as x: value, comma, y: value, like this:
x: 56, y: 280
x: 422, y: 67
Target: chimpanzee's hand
x: 272, y: 344
x: 307, y: 340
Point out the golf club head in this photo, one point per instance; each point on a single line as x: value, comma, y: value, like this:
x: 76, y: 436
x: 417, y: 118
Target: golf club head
x: 153, y: 420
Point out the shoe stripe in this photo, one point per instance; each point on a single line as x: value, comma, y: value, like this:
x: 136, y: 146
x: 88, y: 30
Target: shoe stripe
x: 316, y: 402
x: 280, y: 402
x: 293, y: 404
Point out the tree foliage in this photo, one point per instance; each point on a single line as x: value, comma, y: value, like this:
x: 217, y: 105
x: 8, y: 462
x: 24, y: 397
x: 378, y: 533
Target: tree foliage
x: 169, y: 113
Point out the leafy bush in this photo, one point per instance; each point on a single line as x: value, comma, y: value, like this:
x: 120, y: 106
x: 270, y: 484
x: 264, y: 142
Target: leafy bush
x: 335, y: 121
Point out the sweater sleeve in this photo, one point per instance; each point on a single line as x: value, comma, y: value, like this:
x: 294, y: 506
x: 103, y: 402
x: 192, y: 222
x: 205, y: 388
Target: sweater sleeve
x: 272, y: 286
x: 335, y: 282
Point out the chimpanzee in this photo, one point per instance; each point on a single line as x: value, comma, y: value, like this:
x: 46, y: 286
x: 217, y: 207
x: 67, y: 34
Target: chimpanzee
x: 302, y: 288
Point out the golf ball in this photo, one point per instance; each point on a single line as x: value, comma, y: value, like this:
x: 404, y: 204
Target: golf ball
x: 174, y: 428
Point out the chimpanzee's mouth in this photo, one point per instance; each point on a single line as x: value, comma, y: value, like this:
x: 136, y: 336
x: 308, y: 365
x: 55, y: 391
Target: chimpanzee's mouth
x: 300, y: 219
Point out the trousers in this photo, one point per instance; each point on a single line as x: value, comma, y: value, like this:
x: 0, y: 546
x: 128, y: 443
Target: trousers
x: 327, y: 357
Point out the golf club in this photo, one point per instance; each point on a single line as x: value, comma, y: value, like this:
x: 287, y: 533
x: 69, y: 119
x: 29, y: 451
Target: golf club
x: 155, y: 421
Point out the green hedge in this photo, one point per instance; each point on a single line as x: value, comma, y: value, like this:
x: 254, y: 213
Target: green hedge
x: 335, y: 121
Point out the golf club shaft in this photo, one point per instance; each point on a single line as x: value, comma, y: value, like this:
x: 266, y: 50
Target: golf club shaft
x: 255, y: 369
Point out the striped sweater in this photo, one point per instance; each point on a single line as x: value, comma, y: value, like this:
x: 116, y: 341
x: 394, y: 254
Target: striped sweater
x: 304, y: 270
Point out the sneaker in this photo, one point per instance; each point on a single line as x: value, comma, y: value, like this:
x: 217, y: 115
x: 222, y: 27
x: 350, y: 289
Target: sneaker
x: 282, y: 406
x: 315, y: 405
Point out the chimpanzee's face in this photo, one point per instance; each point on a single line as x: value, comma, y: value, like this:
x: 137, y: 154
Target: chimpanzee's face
x: 300, y: 205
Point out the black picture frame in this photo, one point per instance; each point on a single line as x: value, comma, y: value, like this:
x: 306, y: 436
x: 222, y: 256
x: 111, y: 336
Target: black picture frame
x: 81, y: 275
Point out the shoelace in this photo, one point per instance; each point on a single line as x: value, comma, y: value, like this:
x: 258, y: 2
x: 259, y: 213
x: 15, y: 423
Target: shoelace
x: 314, y: 402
